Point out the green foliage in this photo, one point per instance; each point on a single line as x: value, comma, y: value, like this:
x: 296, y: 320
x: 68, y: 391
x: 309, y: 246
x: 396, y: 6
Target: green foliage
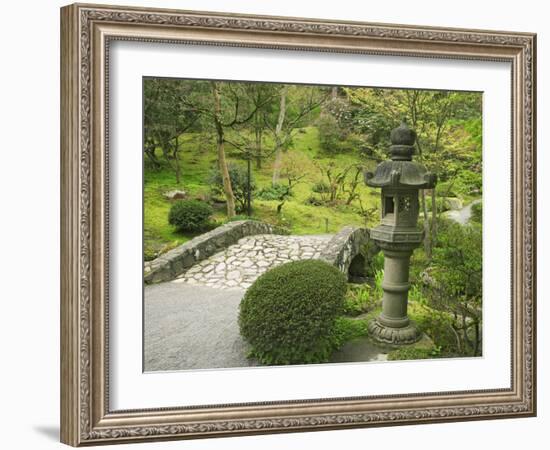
x: 359, y: 299
x: 312, y: 200
x: 411, y: 352
x: 330, y: 135
x: 334, y: 139
x: 239, y: 217
x: 321, y: 187
x: 441, y: 204
x: 457, y: 259
x: 378, y: 292
x: 374, y: 259
x: 273, y: 192
x: 345, y: 329
x: 167, y: 114
x: 288, y: 315
x: 437, y: 325
x: 468, y: 182
x: 477, y: 212
x: 179, y: 136
x: 238, y: 175
x: 446, y: 189
x: 448, y: 126
x: 453, y: 282
x: 189, y: 215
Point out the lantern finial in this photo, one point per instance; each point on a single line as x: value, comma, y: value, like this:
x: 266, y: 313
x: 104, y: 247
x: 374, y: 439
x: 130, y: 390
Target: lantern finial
x: 402, y: 140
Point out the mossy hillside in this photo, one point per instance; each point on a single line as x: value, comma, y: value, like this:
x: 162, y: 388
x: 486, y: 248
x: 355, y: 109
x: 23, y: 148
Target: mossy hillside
x: 197, y: 160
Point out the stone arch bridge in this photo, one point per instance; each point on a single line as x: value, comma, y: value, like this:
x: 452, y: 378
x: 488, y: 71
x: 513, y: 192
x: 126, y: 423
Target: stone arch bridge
x: 235, y: 254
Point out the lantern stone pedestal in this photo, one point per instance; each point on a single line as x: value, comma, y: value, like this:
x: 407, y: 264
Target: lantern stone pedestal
x: 400, y: 179
x: 393, y: 325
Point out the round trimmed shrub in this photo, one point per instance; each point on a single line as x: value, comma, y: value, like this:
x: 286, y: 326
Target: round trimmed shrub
x: 189, y: 215
x: 288, y: 315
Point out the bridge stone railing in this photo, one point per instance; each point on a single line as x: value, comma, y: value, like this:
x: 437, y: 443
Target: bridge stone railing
x: 344, y: 247
x: 177, y: 261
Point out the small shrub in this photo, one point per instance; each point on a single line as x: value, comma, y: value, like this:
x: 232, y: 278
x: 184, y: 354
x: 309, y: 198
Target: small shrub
x: 288, y: 315
x: 408, y: 353
x: 469, y: 182
x: 378, y: 291
x: 358, y: 300
x: 445, y: 189
x: 274, y: 192
x: 374, y: 258
x: 330, y: 134
x: 477, y: 212
x: 346, y: 329
x: 321, y: 187
x: 440, y: 204
x: 189, y: 215
x: 437, y: 326
x: 314, y: 201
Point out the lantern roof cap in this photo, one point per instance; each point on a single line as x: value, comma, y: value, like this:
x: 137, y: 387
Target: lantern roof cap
x: 401, y: 171
x: 401, y: 174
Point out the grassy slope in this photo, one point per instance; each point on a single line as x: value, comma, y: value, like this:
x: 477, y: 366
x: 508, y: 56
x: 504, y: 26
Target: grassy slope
x: 197, y: 159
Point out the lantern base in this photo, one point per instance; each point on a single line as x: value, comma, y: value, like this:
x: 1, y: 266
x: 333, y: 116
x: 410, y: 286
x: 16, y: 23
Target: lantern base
x: 391, y: 335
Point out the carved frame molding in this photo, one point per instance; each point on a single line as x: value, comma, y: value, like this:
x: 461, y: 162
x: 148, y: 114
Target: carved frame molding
x: 86, y: 31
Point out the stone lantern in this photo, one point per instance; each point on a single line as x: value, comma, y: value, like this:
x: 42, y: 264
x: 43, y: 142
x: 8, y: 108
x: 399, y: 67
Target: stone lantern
x: 397, y: 235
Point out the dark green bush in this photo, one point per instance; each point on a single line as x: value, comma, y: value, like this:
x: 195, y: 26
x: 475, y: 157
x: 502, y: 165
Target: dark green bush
x: 408, y: 353
x: 359, y: 299
x: 321, y: 187
x: 274, y: 192
x: 314, y: 201
x: 288, y: 315
x: 440, y: 204
x: 469, y: 182
x: 189, y: 215
x: 477, y: 212
x: 330, y: 134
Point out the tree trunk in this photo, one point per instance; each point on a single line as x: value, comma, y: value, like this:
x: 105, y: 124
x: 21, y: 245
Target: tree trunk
x: 457, y: 337
x: 278, y: 145
x: 427, y: 230
x: 477, y: 338
x: 434, y: 217
x: 150, y: 152
x: 258, y: 132
x: 177, y: 161
x: 467, y: 341
x: 222, y: 163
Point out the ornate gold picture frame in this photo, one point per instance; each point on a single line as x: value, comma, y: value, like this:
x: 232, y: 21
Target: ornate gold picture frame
x: 87, y: 31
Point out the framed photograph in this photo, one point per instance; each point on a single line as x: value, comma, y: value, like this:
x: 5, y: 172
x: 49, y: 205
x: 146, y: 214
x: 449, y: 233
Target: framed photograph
x: 276, y: 224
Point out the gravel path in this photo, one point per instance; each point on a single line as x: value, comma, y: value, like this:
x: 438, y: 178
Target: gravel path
x: 192, y: 327
x: 462, y: 216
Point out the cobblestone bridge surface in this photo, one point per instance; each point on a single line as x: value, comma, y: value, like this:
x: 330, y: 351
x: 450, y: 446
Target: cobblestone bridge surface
x: 240, y: 264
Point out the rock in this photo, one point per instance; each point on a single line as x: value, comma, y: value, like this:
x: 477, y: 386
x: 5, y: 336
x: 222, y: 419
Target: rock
x: 453, y: 203
x: 175, y: 195
x: 233, y: 275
